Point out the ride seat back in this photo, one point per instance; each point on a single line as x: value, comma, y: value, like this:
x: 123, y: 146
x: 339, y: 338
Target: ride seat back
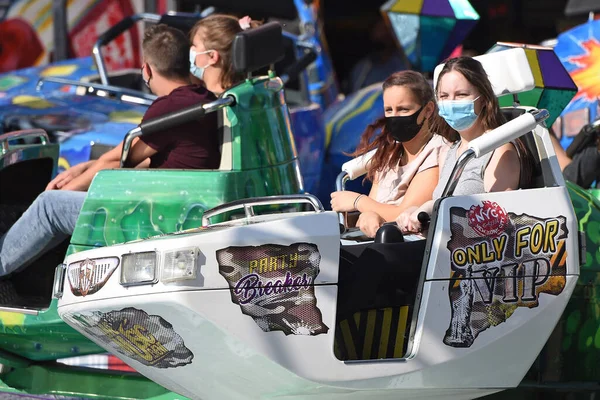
x: 537, y: 178
x: 259, y: 119
x: 225, y: 145
x: 257, y: 48
x: 509, y: 71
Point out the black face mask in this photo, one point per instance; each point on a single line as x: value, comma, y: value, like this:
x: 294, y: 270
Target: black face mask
x: 404, y: 128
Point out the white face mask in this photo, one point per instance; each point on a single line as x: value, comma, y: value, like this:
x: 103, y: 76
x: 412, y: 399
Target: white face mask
x: 198, y: 72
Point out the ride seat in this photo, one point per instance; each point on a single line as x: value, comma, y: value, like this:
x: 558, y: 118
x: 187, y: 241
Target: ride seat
x: 20, y: 184
x: 537, y: 178
x: 225, y: 145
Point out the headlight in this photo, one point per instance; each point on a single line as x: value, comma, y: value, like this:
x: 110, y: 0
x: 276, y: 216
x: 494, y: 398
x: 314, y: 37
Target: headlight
x: 138, y: 268
x: 179, y: 265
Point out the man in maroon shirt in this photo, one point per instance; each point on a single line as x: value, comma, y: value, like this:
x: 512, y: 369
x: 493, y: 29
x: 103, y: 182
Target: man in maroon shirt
x: 52, y: 216
x: 194, y: 145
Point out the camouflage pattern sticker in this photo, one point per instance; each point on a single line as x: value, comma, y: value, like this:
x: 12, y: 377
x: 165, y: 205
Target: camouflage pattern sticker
x: 134, y: 334
x: 274, y: 285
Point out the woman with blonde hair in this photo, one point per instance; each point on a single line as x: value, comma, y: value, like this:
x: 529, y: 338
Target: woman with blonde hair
x: 211, y: 50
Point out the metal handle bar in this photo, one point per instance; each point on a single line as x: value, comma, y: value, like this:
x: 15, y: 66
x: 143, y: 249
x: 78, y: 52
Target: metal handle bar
x: 111, y: 34
x: 340, y: 184
x: 249, y: 204
x: 120, y: 92
x: 28, y: 133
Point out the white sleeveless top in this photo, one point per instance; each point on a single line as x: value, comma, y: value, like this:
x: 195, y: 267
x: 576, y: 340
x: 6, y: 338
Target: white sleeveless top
x: 471, y: 179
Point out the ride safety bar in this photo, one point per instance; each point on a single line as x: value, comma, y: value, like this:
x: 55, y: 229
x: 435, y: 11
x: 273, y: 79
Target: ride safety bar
x: 137, y: 96
x: 249, y: 204
x: 24, y: 134
x: 171, y: 120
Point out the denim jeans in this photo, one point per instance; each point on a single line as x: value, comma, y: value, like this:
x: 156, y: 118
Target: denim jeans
x: 47, y: 222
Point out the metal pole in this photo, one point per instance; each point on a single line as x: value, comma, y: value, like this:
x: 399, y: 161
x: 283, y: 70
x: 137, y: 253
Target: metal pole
x: 150, y: 6
x: 60, y: 30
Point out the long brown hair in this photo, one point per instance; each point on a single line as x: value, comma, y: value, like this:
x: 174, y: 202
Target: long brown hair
x: 472, y: 70
x: 389, y: 152
x: 217, y: 32
x: 491, y: 115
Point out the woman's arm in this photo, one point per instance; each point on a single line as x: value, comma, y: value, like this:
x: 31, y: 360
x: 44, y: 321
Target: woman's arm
x: 344, y: 200
x: 503, y: 171
x: 419, y: 191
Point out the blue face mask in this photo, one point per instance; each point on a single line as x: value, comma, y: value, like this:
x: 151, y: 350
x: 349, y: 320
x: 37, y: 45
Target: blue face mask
x: 198, y: 72
x: 459, y: 114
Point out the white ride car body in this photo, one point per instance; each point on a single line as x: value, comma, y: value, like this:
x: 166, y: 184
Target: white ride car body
x: 247, y: 308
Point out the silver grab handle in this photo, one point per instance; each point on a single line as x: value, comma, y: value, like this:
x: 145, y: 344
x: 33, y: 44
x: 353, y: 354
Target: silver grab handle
x: 340, y: 184
x: 97, y: 52
x: 249, y: 204
x: 129, y: 136
x: 120, y: 92
x: 340, y: 181
x: 28, y: 133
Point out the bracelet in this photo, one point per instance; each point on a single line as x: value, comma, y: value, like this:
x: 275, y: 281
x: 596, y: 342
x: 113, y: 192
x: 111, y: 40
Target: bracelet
x: 356, y: 200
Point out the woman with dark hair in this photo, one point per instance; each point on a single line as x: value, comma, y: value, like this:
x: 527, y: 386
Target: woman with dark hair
x: 404, y: 169
x: 468, y: 106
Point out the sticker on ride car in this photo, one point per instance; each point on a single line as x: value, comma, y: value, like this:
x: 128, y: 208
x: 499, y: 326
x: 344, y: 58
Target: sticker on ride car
x: 90, y: 275
x: 500, y: 261
x: 131, y: 332
x: 274, y: 285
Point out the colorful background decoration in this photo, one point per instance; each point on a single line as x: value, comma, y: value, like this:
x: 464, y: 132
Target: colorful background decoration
x: 429, y: 30
x: 26, y: 32
x: 579, y: 52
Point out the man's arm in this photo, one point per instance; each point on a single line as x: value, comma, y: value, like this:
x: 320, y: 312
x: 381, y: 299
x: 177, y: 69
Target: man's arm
x: 138, y: 154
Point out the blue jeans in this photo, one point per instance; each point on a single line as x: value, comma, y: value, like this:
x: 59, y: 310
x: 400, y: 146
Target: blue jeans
x: 47, y: 222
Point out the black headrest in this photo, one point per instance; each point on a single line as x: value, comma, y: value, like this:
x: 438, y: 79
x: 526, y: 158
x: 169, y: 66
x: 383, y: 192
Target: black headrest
x: 256, y: 48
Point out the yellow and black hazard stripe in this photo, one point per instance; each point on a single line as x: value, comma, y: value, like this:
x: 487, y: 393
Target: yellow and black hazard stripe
x: 373, y: 334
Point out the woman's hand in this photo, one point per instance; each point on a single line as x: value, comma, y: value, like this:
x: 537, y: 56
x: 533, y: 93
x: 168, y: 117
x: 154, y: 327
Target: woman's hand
x: 369, y: 222
x: 408, y: 221
x: 343, y: 201
x: 67, y: 176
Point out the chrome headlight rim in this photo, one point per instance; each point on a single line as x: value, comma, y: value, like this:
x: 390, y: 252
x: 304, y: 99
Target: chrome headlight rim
x: 144, y: 282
